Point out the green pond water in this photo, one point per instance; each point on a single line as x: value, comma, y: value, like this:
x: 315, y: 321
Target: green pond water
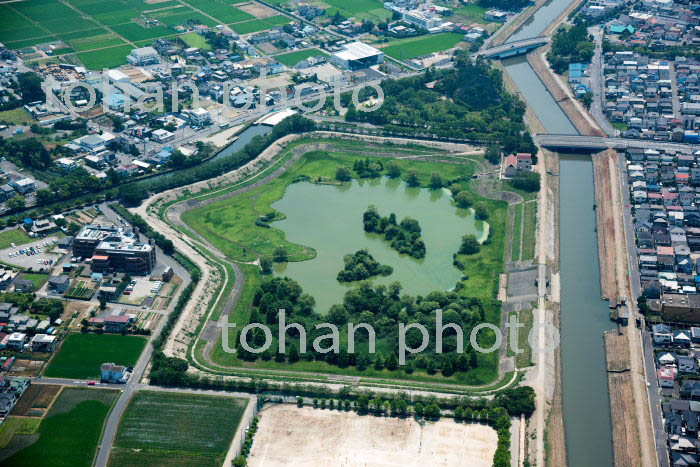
x: 328, y: 218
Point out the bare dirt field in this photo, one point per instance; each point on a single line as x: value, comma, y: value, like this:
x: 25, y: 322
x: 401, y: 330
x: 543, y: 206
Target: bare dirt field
x: 257, y: 10
x: 289, y: 436
x: 606, y: 197
x: 36, y: 400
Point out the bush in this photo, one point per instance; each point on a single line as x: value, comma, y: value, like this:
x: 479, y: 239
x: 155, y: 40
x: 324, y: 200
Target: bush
x: 526, y: 181
x: 470, y: 245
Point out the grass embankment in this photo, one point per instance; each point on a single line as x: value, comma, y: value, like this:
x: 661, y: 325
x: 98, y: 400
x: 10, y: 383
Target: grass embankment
x: 529, y: 230
x: 517, y: 231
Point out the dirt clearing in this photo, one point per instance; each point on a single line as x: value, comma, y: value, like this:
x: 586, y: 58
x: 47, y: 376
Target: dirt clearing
x: 289, y: 436
x: 257, y: 10
x: 36, y: 400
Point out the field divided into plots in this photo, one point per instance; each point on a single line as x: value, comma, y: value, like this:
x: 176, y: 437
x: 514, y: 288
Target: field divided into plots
x: 168, y: 428
x: 101, y: 33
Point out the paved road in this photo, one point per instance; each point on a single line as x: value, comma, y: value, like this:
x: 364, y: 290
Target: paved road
x: 600, y: 143
x: 529, y: 45
x: 648, y: 357
x: 674, y: 91
x: 597, y: 83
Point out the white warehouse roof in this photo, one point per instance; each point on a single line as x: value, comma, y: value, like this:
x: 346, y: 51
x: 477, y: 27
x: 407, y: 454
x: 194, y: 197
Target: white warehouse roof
x: 357, y: 51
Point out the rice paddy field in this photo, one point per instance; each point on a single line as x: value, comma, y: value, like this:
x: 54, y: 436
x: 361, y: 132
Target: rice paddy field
x: 361, y: 9
x: 68, y: 435
x: 81, y: 355
x: 412, y: 47
x: 101, y: 33
x: 169, y: 428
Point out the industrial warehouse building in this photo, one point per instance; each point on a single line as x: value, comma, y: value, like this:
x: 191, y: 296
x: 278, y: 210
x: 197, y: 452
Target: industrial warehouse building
x: 356, y: 56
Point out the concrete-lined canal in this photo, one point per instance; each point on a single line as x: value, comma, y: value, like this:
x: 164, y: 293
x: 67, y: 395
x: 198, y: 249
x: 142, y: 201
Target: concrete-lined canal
x: 584, y: 316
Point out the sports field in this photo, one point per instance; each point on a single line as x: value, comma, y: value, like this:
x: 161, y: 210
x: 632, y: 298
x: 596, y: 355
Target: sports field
x: 289, y: 436
x: 69, y: 434
x: 81, y: 355
x: 412, y: 47
x: 101, y: 33
x: 168, y: 428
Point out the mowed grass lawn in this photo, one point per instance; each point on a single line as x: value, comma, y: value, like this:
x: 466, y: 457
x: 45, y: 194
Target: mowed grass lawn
x: 167, y: 428
x: 292, y: 58
x: 404, y: 49
x: 81, y: 355
x: 16, y: 236
x: 69, y: 435
x: 194, y: 39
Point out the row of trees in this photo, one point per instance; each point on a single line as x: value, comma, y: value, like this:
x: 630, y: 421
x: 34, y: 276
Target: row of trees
x: 404, y: 237
x: 360, y: 266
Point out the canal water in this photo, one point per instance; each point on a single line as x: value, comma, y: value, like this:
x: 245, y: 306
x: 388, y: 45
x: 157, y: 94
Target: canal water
x: 584, y: 316
x: 329, y: 217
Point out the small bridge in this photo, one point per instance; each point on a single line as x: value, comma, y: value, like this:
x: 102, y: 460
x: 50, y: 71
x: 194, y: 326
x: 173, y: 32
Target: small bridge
x: 511, y: 49
x: 600, y: 143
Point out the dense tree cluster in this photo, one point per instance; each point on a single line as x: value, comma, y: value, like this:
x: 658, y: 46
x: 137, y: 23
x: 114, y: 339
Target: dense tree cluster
x: 382, y: 307
x: 360, y: 266
x: 27, y: 152
x: 509, y: 5
x: 30, y: 87
x: 571, y: 45
x: 468, y: 102
x: 404, y: 237
x: 470, y: 245
x: 367, y: 168
x: 526, y: 181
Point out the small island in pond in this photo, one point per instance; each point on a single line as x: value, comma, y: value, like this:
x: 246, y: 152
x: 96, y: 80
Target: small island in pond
x: 404, y: 237
x: 361, y: 266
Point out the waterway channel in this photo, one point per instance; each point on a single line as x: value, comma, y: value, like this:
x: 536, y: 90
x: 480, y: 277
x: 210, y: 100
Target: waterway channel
x: 584, y: 316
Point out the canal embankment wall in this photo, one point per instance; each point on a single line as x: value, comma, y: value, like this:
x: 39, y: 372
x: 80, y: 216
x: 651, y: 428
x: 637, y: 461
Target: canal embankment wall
x: 626, y: 442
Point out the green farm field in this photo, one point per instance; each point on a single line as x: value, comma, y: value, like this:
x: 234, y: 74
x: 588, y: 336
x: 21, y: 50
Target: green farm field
x: 166, y: 428
x: 101, y: 33
x: 412, y: 47
x: 230, y: 225
x: 105, y: 58
x: 69, y: 434
x: 257, y: 25
x: 81, y: 355
x: 361, y: 9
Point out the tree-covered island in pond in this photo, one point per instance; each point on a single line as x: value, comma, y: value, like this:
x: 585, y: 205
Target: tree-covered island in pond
x: 404, y: 237
x: 361, y: 266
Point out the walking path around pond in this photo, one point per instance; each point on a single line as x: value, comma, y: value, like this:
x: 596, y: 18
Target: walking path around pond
x: 179, y: 344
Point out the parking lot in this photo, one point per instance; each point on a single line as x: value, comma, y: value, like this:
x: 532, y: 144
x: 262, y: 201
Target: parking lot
x: 24, y: 256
